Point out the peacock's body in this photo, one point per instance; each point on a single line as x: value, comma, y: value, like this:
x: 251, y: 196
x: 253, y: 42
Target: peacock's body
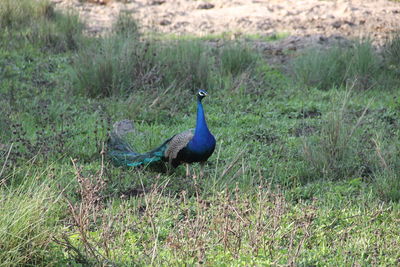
x: 195, y: 145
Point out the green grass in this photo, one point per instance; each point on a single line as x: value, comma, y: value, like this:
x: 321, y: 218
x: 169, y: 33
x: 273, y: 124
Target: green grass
x: 28, y: 222
x: 300, y: 175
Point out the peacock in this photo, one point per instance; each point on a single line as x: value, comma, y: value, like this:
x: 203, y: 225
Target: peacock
x: 194, y: 145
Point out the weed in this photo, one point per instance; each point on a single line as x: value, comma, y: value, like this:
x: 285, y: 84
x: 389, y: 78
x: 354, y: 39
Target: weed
x: 121, y: 63
x: 118, y: 65
x: 387, y: 185
x: 83, y: 214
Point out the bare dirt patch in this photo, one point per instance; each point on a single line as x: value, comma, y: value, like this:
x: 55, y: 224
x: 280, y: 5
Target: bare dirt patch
x: 306, y: 22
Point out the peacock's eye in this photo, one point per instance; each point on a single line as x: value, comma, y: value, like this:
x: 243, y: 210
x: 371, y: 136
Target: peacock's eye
x: 202, y: 93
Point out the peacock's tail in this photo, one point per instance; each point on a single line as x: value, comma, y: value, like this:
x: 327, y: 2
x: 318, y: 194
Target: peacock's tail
x: 122, y: 154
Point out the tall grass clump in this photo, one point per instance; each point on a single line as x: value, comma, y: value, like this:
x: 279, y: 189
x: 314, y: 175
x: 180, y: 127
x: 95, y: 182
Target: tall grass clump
x: 121, y: 64
x: 236, y: 58
x: 363, y: 66
x: 21, y: 13
x: 61, y: 33
x: 26, y: 223
x: 337, y: 65
x: 126, y: 25
x: 392, y: 53
x: 115, y: 64
x: 387, y: 184
x: 189, y: 63
x: 337, y: 151
x: 112, y: 66
x: 37, y: 23
x: 319, y: 68
x: 386, y: 177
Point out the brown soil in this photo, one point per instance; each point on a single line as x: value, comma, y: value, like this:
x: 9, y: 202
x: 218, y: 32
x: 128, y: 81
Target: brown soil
x: 307, y: 22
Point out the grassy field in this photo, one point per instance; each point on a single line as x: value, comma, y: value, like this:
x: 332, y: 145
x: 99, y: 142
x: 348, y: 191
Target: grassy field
x: 305, y: 173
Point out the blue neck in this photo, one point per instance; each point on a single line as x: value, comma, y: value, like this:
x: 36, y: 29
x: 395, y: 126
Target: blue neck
x: 201, y: 125
x: 203, y: 142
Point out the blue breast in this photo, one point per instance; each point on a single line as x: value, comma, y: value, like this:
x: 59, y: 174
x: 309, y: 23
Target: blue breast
x: 203, y: 142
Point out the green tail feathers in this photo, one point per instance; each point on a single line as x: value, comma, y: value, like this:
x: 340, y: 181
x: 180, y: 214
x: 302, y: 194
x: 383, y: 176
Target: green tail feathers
x: 122, y: 154
x: 147, y: 158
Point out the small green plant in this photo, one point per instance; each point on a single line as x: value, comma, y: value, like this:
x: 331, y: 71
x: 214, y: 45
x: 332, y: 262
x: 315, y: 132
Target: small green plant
x: 62, y: 33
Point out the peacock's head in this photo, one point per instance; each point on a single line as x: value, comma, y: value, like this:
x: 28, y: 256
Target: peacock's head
x: 201, y: 94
